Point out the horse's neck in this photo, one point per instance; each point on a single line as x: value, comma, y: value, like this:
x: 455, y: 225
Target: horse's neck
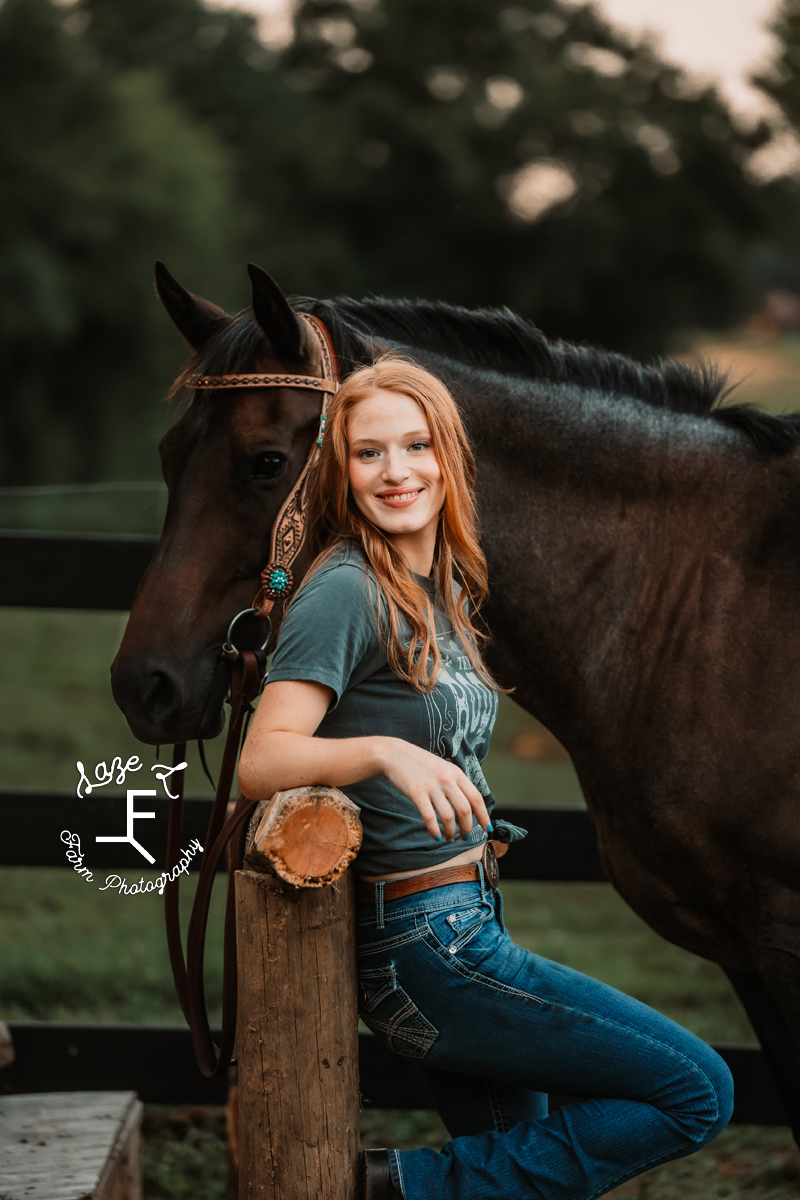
x: 593, y: 509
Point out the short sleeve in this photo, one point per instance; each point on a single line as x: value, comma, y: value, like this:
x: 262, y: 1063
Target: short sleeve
x: 330, y: 633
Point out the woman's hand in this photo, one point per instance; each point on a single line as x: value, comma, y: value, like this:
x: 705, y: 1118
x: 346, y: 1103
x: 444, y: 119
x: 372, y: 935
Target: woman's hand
x: 435, y: 786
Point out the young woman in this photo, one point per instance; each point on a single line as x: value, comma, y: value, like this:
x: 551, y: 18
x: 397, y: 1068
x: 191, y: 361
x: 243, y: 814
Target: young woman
x: 378, y: 687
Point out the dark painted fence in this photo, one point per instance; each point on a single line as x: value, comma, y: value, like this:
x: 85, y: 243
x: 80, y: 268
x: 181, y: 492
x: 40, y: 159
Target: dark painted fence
x: 98, y: 572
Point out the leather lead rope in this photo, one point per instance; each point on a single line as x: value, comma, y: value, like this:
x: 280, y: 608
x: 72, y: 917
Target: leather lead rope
x: 188, y: 973
x: 172, y: 889
x: 277, y: 582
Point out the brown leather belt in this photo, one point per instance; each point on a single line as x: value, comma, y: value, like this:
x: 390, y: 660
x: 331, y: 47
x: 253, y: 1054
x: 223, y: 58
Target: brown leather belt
x: 393, y: 889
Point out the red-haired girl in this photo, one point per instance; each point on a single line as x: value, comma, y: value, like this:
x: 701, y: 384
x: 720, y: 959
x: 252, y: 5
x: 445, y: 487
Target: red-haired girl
x: 378, y: 687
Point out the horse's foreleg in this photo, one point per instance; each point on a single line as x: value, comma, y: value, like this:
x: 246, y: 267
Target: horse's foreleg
x: 771, y: 999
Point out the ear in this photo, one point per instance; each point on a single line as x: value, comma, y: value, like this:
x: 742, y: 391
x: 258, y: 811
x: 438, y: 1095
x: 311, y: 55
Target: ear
x: 195, y: 319
x: 274, y: 315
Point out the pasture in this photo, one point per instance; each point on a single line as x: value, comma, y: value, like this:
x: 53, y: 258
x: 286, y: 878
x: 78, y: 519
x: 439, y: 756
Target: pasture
x: 72, y: 953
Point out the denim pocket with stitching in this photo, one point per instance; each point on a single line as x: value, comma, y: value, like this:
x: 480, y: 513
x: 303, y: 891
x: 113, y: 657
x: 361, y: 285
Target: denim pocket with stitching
x: 391, y: 1014
x: 454, y: 930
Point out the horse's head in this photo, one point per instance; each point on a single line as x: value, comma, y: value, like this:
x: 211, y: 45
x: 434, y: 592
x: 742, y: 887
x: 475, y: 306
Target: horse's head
x: 229, y: 462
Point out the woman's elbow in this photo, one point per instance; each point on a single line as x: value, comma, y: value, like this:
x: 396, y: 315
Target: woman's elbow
x: 252, y: 776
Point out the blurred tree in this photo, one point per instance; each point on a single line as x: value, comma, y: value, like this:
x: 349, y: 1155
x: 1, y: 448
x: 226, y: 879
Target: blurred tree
x: 219, y: 70
x: 101, y: 171
x: 523, y: 155
x: 776, y: 261
x: 782, y: 80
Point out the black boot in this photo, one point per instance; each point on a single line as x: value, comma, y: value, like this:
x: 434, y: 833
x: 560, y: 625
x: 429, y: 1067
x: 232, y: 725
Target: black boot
x: 376, y: 1179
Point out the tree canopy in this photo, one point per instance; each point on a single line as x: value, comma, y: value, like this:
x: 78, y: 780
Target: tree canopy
x: 101, y: 170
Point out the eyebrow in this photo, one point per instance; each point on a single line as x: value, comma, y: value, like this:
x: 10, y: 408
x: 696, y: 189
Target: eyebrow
x: 416, y: 435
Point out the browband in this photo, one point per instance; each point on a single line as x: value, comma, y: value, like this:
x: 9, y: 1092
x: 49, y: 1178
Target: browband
x: 201, y: 382
x: 315, y: 383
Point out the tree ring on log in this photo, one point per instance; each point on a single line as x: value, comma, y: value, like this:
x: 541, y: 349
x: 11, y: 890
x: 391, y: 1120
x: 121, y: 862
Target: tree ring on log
x: 307, y: 836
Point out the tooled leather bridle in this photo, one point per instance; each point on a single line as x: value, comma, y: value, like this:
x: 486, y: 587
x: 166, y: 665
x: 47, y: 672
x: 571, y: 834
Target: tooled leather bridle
x: 277, y: 582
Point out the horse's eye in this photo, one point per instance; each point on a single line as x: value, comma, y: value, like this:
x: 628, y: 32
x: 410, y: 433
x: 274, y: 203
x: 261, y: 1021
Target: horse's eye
x: 268, y: 465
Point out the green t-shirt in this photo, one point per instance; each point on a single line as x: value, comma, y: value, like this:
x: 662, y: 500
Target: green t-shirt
x: 330, y: 635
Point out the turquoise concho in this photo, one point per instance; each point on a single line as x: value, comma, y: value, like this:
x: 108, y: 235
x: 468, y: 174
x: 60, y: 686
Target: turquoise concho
x: 277, y: 581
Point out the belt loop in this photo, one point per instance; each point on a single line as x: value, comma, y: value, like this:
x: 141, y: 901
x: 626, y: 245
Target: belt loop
x: 379, y: 903
x: 483, y: 880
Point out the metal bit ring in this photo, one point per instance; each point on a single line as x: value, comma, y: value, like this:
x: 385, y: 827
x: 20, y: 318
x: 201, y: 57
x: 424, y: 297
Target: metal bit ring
x: 229, y: 651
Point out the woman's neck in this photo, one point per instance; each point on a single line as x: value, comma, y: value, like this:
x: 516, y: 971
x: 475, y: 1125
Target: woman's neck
x: 417, y: 549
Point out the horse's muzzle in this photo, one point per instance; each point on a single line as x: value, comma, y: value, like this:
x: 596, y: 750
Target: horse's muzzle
x: 165, y: 707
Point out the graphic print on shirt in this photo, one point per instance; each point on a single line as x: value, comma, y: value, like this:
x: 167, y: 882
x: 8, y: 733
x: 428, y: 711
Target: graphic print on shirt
x: 461, y: 709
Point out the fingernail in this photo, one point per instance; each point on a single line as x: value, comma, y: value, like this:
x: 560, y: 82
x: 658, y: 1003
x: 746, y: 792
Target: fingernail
x: 490, y: 828
x: 464, y: 837
x: 438, y: 837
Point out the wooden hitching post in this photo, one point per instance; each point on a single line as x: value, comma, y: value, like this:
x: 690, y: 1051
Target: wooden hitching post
x: 297, y: 1031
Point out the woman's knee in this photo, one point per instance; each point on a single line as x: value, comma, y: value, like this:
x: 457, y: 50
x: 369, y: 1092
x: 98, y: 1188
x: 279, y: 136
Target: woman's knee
x: 707, y: 1116
x: 723, y: 1086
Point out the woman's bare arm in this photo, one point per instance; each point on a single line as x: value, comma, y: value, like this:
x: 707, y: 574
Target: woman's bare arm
x: 281, y: 752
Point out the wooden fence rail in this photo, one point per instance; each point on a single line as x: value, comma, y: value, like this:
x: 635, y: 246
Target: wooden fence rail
x: 54, y: 570
x: 158, y: 1063
x: 98, y: 572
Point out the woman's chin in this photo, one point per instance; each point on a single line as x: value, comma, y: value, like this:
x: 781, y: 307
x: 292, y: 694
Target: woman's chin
x: 400, y: 524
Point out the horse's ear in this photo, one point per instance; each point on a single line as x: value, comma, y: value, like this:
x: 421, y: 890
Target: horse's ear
x: 274, y: 315
x: 195, y: 319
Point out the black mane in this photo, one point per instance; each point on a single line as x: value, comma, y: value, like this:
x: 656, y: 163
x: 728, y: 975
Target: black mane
x: 500, y: 340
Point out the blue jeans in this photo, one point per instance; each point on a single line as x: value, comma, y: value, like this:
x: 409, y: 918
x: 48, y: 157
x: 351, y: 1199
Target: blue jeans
x: 496, y: 1028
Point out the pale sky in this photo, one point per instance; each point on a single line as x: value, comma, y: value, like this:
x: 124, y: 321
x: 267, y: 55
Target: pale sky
x: 723, y: 40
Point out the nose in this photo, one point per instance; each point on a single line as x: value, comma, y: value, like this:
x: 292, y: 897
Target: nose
x: 395, y: 469
x: 162, y: 706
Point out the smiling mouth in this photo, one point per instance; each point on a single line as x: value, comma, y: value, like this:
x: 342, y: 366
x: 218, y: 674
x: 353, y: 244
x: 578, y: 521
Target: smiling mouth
x: 400, y: 499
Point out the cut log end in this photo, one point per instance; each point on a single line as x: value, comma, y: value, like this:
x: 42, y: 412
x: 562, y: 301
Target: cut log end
x: 308, y: 836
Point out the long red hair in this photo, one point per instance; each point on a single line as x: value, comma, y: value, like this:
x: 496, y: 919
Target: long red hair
x: 334, y: 518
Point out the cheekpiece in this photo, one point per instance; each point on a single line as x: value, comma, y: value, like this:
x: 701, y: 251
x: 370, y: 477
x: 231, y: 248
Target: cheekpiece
x: 277, y: 581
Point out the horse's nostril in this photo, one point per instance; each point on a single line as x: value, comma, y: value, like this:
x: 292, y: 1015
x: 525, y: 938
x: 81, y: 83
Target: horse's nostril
x: 159, y: 698
x: 162, y: 695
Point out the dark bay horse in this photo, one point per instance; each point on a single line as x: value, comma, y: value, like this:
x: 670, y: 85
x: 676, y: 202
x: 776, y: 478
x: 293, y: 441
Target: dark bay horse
x: 644, y: 564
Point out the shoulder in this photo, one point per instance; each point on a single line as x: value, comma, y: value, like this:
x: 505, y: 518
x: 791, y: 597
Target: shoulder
x: 342, y: 577
x: 330, y: 631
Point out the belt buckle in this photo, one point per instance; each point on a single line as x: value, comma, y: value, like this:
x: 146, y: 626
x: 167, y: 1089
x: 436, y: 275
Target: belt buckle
x: 490, y: 867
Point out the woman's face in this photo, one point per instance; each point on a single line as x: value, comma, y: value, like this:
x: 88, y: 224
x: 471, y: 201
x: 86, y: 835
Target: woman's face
x: 394, y: 476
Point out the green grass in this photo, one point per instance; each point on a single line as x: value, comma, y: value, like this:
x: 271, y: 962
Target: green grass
x: 96, y: 508
x: 184, y: 1154
x: 73, y: 953
x: 56, y: 705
